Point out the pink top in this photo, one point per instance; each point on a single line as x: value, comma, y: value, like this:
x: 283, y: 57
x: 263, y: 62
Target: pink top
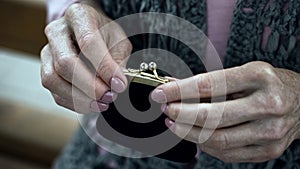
x: 219, y: 17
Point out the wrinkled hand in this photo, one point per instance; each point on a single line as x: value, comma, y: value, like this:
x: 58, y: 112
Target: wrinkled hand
x: 83, y: 61
x: 256, y: 124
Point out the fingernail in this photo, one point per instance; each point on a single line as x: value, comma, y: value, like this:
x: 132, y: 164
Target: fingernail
x: 109, y: 97
x: 159, y: 96
x: 117, y: 85
x: 164, y: 108
x: 98, y: 107
x: 169, y: 123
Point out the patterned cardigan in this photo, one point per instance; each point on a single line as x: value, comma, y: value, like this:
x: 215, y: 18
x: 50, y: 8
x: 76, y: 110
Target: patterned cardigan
x: 252, y: 18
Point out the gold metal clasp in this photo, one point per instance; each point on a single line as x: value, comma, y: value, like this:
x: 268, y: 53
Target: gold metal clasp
x: 143, y: 77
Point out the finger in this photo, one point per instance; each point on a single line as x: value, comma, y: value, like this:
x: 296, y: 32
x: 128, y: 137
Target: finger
x: 118, y: 44
x: 220, y: 139
x: 67, y: 63
x: 223, y: 139
x: 215, y: 115
x: 119, y: 54
x: 91, y: 43
x: 212, y: 84
x: 64, y: 94
x: 253, y: 153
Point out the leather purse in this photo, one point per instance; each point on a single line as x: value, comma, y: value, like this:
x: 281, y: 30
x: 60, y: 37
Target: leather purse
x: 142, y: 83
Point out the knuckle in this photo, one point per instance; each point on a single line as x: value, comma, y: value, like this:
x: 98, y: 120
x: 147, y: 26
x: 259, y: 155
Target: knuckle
x: 177, y: 93
x: 264, y: 65
x: 222, y: 142
x: 44, y: 51
x: 274, y: 152
x: 63, y: 65
x: 274, y: 104
x: 225, y: 142
x: 276, y: 132
x: 47, y: 80
x: 172, y: 90
x: 222, y: 121
x: 85, y: 40
x: 217, y: 141
x: 55, y: 26
x: 265, y: 72
x: 204, y: 84
x: 73, y: 8
x: 49, y: 28
x: 47, y: 73
x: 59, y: 100
x: 202, y: 116
x: 280, y: 130
x: 257, y: 65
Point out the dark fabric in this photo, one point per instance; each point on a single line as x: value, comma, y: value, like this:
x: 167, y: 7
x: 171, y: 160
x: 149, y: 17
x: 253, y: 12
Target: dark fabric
x: 81, y: 153
x: 192, y: 10
x: 289, y: 160
x: 245, y: 41
x: 244, y: 45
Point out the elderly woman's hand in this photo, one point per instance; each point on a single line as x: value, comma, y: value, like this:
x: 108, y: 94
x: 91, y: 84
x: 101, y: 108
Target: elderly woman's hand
x: 82, y: 62
x: 258, y: 122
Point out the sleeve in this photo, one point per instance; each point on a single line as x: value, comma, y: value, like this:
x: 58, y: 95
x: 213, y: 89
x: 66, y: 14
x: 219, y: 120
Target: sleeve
x: 56, y: 8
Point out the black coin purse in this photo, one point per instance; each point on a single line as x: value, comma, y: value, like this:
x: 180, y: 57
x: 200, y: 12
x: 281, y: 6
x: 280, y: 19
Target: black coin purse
x: 142, y: 83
